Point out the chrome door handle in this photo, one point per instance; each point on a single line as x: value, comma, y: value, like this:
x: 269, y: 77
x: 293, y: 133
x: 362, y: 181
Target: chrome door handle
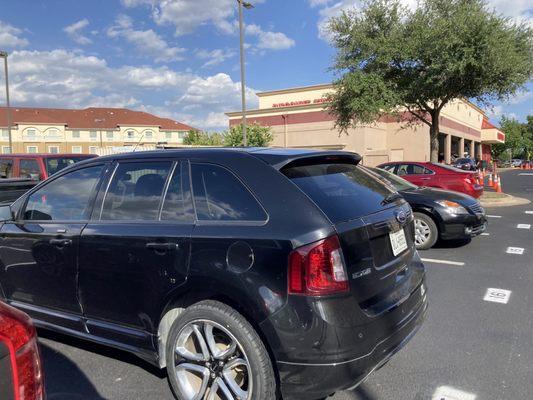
x: 60, y: 242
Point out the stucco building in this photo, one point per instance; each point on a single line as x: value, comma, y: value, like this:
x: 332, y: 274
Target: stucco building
x: 299, y: 118
x: 90, y: 130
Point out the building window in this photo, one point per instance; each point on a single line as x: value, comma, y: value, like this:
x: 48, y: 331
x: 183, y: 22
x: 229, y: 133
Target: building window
x: 93, y: 150
x: 53, y: 149
x: 31, y: 132
x: 168, y: 135
x: 53, y: 133
x: 31, y: 149
x: 93, y: 135
x: 130, y: 134
x: 5, y: 134
x: 6, y: 150
x: 148, y: 134
x: 182, y: 135
x: 76, y: 134
x: 109, y: 135
x: 76, y: 149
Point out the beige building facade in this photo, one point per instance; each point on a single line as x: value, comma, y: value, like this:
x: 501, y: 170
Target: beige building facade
x: 87, y: 131
x: 298, y: 118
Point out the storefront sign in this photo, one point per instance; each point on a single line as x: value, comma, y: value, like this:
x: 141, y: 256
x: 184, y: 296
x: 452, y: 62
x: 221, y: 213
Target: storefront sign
x: 300, y: 103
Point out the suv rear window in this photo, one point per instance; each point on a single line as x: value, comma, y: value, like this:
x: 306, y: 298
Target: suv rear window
x: 342, y: 191
x: 56, y: 164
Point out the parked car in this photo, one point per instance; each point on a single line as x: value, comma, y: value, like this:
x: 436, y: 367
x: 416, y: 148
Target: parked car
x: 439, y: 214
x: 37, y: 167
x: 436, y: 175
x: 516, y: 163
x: 466, y: 164
x: 21, y: 376
x: 12, y: 188
x: 243, y: 271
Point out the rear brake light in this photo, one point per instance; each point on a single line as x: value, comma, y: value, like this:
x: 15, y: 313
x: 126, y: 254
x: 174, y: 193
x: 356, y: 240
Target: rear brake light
x: 318, y: 269
x: 19, y: 334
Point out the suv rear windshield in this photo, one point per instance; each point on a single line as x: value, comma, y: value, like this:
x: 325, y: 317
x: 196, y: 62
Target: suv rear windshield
x: 56, y: 164
x: 342, y: 191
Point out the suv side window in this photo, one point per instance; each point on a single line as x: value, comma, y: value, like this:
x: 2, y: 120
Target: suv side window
x: 65, y: 198
x: 412, y: 169
x: 29, y: 168
x: 135, y: 191
x: 6, y: 168
x: 177, y: 205
x: 220, y: 196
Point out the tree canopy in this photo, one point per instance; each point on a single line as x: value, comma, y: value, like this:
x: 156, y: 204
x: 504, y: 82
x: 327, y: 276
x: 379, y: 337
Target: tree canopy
x: 257, y: 136
x: 391, y: 59
x: 518, y: 138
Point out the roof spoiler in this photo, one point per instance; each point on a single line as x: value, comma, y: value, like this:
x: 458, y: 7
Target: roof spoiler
x: 341, y: 157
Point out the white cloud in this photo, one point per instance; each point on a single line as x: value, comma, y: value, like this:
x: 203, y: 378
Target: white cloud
x: 215, y: 57
x: 74, y: 31
x: 270, y: 40
x: 187, y: 15
x: 318, y: 3
x: 10, y: 37
x: 147, y: 42
x: 522, y: 97
x: 62, y: 78
x: 495, y: 112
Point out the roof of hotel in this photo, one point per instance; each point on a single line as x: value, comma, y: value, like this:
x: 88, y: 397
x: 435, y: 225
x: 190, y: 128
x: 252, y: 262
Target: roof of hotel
x: 88, y: 118
x: 487, y: 124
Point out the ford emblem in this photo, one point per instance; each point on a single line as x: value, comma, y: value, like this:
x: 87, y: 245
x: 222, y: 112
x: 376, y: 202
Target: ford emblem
x: 401, y: 216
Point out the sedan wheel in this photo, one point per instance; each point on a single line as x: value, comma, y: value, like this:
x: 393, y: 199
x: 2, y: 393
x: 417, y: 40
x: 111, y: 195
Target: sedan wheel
x: 426, y: 233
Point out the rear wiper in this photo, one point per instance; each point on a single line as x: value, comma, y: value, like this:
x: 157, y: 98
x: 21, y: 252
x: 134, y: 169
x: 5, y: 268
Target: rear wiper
x: 391, y: 198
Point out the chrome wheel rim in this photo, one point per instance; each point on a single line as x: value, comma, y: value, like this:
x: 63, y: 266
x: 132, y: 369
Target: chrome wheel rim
x: 422, y: 232
x: 210, y: 364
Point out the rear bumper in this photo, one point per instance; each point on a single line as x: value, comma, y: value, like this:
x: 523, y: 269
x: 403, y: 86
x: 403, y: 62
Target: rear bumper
x: 317, y: 380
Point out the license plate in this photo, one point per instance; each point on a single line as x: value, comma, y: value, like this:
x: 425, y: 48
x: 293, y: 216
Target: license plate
x: 398, y: 242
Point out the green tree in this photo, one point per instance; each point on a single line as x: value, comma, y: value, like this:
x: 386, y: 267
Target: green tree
x: 518, y: 138
x: 257, y: 136
x: 201, y: 138
x: 391, y: 59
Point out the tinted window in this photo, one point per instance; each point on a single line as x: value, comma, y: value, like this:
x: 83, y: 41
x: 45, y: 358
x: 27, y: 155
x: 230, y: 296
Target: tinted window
x: 6, y: 168
x: 342, y: 191
x: 29, y: 168
x: 412, y: 169
x: 135, y: 191
x: 56, y: 164
x: 397, y: 182
x: 220, y: 196
x: 389, y: 168
x: 65, y: 198
x: 176, y: 207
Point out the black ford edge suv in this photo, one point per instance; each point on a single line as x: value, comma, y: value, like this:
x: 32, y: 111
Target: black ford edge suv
x: 248, y: 274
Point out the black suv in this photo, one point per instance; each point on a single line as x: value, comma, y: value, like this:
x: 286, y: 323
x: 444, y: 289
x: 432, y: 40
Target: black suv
x: 248, y: 274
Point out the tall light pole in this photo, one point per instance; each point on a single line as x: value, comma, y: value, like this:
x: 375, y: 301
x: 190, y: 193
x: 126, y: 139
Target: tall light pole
x: 4, y: 55
x: 248, y: 6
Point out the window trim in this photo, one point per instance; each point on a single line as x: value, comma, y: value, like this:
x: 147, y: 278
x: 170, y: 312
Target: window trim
x: 101, y: 198
x: 20, y: 212
x: 200, y: 222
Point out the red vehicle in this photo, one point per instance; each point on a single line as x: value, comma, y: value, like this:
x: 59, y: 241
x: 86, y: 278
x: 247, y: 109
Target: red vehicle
x: 436, y: 175
x: 20, y: 362
x: 37, y: 167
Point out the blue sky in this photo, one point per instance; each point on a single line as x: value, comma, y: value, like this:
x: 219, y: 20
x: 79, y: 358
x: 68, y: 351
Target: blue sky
x: 177, y: 58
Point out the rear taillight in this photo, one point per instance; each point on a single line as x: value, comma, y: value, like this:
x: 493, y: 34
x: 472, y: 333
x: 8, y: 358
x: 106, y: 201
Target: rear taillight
x: 318, y: 269
x: 17, y: 331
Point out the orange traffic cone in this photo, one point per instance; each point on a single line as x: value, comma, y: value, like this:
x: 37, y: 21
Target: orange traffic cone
x: 490, y: 180
x: 498, y: 185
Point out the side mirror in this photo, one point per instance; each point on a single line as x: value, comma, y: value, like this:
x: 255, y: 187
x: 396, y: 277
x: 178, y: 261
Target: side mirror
x: 5, y: 213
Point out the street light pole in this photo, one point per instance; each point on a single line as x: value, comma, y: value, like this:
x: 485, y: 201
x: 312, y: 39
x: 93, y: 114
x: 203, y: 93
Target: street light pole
x: 8, y: 110
x: 248, y: 6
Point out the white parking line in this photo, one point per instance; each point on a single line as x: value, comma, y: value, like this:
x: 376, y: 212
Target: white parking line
x: 529, y: 212
x: 432, y: 260
x: 485, y: 234
x: 494, y: 216
x: 515, y: 250
x: 450, y: 393
x: 497, y: 295
x: 525, y: 174
x: 523, y: 226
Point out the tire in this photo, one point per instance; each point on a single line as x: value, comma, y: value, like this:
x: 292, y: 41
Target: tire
x: 238, y: 363
x: 426, y: 232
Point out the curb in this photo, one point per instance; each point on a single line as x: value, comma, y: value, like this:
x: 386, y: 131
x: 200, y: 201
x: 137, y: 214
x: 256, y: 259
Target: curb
x: 506, y: 201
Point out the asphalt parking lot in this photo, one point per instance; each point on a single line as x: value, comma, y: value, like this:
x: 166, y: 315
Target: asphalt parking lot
x: 469, y: 347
